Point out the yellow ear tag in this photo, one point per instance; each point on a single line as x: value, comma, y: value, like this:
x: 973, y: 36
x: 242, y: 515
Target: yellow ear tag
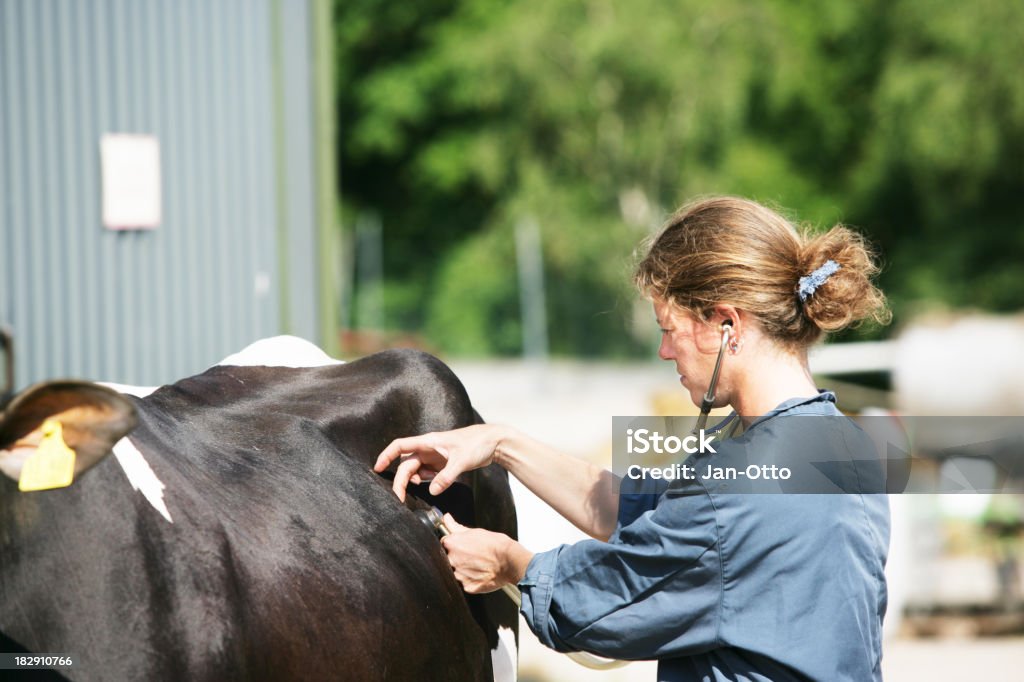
x: 52, y: 465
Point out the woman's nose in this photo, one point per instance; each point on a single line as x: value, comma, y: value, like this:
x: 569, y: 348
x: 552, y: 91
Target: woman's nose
x: 665, y: 349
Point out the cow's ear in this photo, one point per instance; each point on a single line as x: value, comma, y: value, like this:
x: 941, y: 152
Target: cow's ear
x: 92, y: 418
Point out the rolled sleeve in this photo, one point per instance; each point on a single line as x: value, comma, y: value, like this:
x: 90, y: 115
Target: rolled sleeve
x: 536, y: 587
x: 653, y: 591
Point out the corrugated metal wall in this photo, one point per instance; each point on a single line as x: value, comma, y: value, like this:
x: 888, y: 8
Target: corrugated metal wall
x: 150, y: 306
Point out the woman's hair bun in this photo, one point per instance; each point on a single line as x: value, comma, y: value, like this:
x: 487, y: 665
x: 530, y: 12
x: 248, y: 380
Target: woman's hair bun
x: 846, y: 296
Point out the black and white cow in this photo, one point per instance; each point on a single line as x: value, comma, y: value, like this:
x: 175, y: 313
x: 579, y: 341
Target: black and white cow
x: 239, y: 532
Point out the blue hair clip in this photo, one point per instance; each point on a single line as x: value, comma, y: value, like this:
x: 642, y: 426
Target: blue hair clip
x: 810, y: 283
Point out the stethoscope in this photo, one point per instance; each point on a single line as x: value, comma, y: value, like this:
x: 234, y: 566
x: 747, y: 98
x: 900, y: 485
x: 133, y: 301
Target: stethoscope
x: 709, y: 397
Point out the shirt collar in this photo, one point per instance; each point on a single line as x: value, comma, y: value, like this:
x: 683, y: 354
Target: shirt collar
x: 807, y: 405
x: 810, y: 405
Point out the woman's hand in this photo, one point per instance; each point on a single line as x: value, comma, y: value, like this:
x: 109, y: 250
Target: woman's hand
x: 483, y: 561
x: 439, y: 457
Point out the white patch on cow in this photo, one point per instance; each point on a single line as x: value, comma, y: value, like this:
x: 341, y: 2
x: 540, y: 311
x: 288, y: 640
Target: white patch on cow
x: 505, y: 656
x: 140, y: 475
x: 137, y: 391
x: 281, y: 351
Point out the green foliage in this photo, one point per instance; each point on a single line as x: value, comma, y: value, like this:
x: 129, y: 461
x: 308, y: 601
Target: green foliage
x: 483, y: 317
x: 460, y: 118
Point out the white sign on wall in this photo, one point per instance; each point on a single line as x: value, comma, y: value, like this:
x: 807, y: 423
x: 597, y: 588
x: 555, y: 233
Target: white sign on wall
x: 130, y: 167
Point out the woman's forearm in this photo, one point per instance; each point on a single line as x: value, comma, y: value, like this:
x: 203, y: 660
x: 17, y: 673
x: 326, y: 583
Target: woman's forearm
x: 581, y: 492
x: 517, y: 560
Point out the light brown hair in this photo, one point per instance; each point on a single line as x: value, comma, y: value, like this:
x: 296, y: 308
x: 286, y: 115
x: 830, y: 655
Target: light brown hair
x: 738, y: 252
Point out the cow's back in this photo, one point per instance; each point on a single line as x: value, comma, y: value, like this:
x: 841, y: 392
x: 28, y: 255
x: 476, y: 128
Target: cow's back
x: 287, y: 557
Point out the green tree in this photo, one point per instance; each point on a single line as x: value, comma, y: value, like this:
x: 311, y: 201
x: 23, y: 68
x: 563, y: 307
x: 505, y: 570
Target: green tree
x: 596, y: 117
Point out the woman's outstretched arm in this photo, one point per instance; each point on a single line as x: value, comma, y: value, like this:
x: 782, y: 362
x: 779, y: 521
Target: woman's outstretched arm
x: 581, y: 492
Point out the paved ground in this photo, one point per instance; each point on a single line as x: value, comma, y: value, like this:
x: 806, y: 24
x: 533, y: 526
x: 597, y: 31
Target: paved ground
x: 952, y: 660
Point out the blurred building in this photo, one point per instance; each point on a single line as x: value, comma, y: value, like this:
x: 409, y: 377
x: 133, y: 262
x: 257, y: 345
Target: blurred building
x: 166, y: 183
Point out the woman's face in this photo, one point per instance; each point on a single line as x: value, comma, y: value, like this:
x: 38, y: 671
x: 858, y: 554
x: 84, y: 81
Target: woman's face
x: 691, y: 344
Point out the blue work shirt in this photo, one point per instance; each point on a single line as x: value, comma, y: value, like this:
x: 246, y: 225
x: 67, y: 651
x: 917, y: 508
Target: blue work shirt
x: 718, y: 585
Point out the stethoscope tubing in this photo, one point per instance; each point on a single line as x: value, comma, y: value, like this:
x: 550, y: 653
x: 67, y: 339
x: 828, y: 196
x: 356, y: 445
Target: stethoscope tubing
x: 709, y: 398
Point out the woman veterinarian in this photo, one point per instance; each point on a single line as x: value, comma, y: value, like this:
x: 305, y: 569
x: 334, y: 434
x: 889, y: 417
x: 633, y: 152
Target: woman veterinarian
x: 714, y: 585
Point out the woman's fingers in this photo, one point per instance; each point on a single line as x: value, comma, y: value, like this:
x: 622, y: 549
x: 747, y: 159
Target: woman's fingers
x: 421, y: 459
x: 405, y: 471
x: 436, y: 457
x: 402, y: 446
x: 453, y: 525
x: 444, y: 478
x: 475, y: 556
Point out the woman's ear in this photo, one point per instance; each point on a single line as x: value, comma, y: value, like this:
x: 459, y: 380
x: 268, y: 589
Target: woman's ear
x: 727, y: 314
x: 708, y: 331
